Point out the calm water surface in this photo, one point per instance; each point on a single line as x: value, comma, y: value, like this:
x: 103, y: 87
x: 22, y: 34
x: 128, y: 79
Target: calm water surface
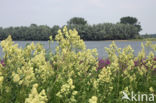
x: 136, y: 45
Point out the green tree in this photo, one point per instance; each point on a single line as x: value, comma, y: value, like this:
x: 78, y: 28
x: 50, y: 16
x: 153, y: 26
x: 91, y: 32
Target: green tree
x: 127, y: 29
x: 131, y: 21
x: 54, y: 30
x: 77, y: 21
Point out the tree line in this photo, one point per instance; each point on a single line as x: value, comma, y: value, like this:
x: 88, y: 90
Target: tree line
x: 149, y: 36
x: 127, y: 28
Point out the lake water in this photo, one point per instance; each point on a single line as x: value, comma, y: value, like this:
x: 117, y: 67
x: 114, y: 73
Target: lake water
x: 136, y: 45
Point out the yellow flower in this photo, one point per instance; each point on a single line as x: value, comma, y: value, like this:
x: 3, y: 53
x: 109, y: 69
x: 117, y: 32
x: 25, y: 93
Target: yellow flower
x: 1, y: 80
x: 35, y: 97
x: 151, y: 89
x: 74, y: 92
x: 51, y: 38
x: 16, y: 78
x: 93, y: 99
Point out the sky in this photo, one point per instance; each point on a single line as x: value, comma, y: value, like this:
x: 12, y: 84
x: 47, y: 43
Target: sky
x: 58, y: 12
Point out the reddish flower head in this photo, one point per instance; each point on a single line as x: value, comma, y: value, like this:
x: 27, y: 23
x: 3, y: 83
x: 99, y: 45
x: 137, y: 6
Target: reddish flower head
x: 2, y: 62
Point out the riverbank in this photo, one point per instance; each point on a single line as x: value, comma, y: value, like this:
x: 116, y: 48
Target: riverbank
x: 144, y: 39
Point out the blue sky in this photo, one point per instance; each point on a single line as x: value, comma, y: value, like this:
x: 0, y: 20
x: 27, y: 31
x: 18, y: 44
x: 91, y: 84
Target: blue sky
x: 58, y: 12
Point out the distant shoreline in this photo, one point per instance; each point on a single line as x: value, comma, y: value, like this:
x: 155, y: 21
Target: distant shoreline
x: 143, y: 39
x: 89, y: 40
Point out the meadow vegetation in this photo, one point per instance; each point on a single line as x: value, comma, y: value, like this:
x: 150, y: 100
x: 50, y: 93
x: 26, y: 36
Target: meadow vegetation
x: 73, y: 74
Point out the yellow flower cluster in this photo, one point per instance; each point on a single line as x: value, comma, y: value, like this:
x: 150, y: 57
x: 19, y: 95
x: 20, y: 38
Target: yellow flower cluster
x: 71, y: 56
x: 141, y: 54
x: 42, y: 68
x: 105, y: 75
x: 93, y: 99
x: 151, y: 45
x: 1, y: 80
x: 35, y: 97
x: 151, y: 89
x: 69, y: 39
x: 65, y: 89
x: 26, y: 64
x: 68, y: 90
x: 24, y: 75
x: 1, y: 76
